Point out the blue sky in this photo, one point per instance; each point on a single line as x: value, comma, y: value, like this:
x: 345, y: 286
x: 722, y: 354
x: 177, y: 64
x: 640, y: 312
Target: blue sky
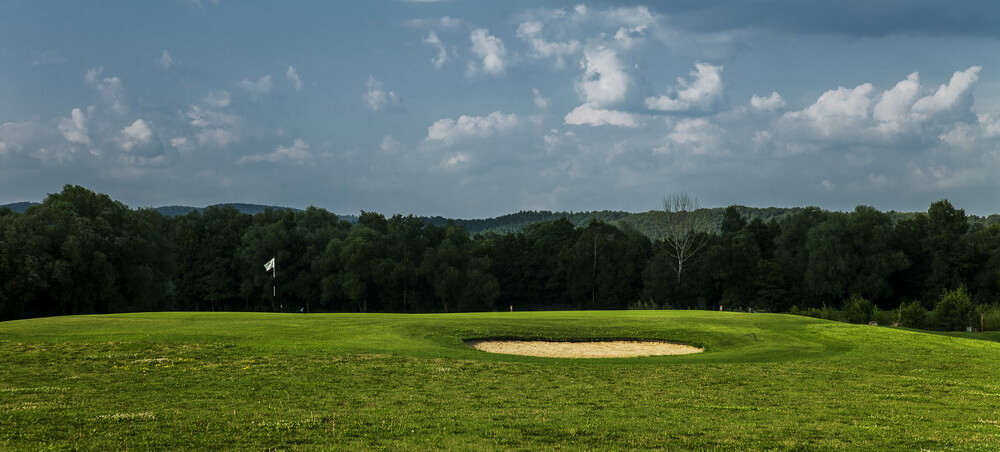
x: 469, y: 108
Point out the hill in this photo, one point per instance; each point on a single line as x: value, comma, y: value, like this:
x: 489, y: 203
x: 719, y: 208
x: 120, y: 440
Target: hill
x: 18, y: 207
x: 253, y: 381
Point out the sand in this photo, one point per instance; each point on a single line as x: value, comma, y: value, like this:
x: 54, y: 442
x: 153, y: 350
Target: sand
x: 588, y: 349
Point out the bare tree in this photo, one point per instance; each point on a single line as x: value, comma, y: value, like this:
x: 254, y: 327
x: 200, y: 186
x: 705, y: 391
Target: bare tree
x: 683, y: 231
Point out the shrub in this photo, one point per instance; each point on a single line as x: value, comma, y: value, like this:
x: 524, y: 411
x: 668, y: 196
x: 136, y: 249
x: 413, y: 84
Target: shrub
x: 990, y: 317
x: 953, y: 311
x: 648, y: 304
x: 859, y: 310
x: 912, y: 314
x: 820, y: 313
x: 885, y: 317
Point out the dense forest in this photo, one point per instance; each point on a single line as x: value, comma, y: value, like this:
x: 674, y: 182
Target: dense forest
x: 81, y: 252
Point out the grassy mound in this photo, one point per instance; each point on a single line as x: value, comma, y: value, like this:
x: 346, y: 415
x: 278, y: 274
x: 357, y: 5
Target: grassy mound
x: 372, y: 381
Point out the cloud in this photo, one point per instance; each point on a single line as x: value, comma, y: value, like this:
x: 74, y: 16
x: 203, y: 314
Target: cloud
x: 261, y: 87
x: 465, y: 127
x: 218, y: 99
x: 456, y: 161
x: 389, y: 145
x: 898, y: 118
x: 701, y: 94
x: 696, y: 136
x: 442, y: 56
x: 293, y: 76
x: 542, y: 103
x: 445, y: 22
x: 604, y: 81
x: 298, y: 152
x: 836, y: 110
x: 111, y: 89
x: 947, y: 96
x: 895, y: 103
x: 74, y: 128
x: 491, y: 52
x: 586, y: 115
x: 178, y: 142
x: 216, y: 129
x: 164, y: 61
x: 136, y: 134
x: 376, y: 98
x: 774, y: 102
x: 847, y: 17
x: 530, y: 32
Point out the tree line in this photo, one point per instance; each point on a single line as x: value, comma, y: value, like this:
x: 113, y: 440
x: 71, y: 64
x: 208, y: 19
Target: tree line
x: 81, y: 252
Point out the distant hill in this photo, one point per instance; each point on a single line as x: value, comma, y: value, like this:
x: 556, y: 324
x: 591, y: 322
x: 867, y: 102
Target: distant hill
x: 18, y: 207
x: 516, y: 222
x: 648, y: 223
x: 252, y: 209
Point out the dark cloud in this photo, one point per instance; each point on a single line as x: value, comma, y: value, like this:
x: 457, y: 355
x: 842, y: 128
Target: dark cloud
x: 850, y: 17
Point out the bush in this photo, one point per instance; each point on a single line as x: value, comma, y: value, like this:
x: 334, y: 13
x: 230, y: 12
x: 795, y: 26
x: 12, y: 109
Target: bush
x: 912, y: 314
x: 859, y: 310
x: 820, y: 313
x: 885, y: 317
x: 648, y: 304
x: 990, y: 317
x: 954, y: 310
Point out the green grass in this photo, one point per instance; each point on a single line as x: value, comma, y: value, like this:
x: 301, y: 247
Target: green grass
x: 175, y: 381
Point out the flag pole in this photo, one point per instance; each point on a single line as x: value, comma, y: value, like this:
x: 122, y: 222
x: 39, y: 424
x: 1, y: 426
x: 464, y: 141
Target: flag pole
x: 272, y: 266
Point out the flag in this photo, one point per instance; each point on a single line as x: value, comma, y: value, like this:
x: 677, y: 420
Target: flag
x: 269, y: 265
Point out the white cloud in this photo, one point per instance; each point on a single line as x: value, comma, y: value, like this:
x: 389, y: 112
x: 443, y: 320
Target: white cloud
x: 298, y: 152
x: 947, y: 96
x: 542, y: 103
x: 696, y: 136
x: 293, y: 76
x: 604, y: 81
x: 217, y: 129
x: 450, y: 130
x: 530, y: 32
x: 179, y: 142
x: 216, y: 137
x: 376, y: 98
x: 456, y: 161
x: 389, y: 145
x: 111, y: 89
x: 136, y: 134
x: 630, y: 16
x: 701, y: 94
x: 442, y: 56
x: 491, y: 52
x: 587, y: 115
x: 262, y: 86
x: 444, y: 22
x: 773, y: 102
x: 218, y: 99
x: 74, y: 128
x: 165, y: 60
x: 836, y: 110
x: 895, y: 103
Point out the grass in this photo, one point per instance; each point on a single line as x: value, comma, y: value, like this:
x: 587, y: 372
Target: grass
x: 169, y: 381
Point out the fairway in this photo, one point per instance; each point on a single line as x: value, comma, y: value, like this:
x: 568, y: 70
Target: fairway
x: 173, y: 381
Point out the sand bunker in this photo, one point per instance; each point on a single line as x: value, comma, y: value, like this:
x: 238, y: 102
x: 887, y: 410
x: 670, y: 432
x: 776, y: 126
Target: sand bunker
x: 584, y: 349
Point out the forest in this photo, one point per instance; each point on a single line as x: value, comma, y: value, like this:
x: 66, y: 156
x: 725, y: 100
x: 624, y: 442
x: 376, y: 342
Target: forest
x: 80, y: 252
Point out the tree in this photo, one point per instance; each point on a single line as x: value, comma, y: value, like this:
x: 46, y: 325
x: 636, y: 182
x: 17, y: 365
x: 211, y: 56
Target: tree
x: 681, y: 238
x: 853, y: 254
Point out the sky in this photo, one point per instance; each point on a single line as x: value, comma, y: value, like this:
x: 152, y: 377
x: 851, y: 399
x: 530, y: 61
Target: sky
x: 474, y: 108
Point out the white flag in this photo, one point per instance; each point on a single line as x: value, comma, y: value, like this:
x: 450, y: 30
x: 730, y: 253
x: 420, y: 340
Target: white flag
x: 269, y: 265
